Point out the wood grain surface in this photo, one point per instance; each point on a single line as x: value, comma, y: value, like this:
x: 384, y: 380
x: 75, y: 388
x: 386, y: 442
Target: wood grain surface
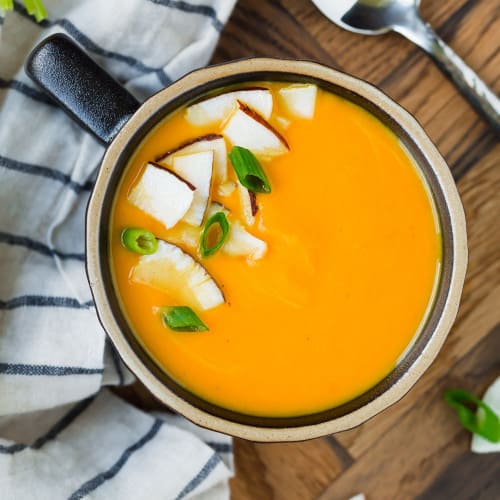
x: 416, y: 448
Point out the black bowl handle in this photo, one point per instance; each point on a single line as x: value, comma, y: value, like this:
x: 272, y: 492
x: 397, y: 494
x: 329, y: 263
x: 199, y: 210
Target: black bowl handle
x: 81, y: 87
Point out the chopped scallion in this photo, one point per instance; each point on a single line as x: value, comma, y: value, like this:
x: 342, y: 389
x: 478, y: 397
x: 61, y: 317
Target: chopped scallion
x: 182, y: 319
x: 139, y: 241
x: 249, y: 171
x: 484, y: 422
x: 38, y: 10
x: 6, y: 5
x: 206, y: 247
x: 30, y: 6
x: 33, y: 8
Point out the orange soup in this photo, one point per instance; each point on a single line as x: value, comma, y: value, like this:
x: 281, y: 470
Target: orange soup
x: 318, y: 286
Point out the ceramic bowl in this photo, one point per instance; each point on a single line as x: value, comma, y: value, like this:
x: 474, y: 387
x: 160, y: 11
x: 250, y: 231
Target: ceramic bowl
x: 118, y: 120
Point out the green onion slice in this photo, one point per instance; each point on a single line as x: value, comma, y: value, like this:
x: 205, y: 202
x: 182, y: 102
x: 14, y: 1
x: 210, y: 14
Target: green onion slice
x: 30, y: 6
x: 484, y: 421
x: 139, y: 241
x: 248, y: 170
x: 33, y: 8
x: 182, y: 319
x: 206, y: 247
x: 38, y: 10
x: 6, y: 5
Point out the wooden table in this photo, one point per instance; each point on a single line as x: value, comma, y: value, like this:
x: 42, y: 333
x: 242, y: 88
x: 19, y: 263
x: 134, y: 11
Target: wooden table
x: 416, y: 448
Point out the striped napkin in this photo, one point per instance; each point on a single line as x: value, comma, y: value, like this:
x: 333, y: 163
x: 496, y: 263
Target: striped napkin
x: 61, y: 435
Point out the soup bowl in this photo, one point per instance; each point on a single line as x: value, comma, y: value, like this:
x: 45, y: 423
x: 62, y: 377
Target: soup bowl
x: 105, y: 108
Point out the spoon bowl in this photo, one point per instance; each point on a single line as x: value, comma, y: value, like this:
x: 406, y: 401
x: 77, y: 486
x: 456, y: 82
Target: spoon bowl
x: 377, y: 17
x: 369, y: 17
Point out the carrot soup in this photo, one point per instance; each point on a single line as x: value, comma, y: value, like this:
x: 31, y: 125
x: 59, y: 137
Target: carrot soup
x: 274, y: 248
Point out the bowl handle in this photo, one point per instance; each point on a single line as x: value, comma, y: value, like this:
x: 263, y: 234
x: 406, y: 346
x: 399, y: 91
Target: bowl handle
x: 81, y: 87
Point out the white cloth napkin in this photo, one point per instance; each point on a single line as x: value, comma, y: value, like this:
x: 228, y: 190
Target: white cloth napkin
x: 57, y: 438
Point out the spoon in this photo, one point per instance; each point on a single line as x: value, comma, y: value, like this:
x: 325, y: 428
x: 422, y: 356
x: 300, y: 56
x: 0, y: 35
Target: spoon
x: 376, y: 17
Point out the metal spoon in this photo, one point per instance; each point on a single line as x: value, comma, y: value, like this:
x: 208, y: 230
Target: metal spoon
x: 375, y: 17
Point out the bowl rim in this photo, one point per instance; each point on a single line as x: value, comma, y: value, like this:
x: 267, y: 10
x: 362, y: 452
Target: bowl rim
x: 303, y: 69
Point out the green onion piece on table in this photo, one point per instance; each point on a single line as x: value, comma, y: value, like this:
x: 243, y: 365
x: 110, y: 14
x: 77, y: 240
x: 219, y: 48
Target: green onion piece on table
x: 249, y: 170
x: 30, y: 6
x: 7, y: 5
x: 182, y: 319
x: 484, y: 422
x: 33, y: 8
x: 139, y: 241
x: 36, y: 9
x: 219, y: 219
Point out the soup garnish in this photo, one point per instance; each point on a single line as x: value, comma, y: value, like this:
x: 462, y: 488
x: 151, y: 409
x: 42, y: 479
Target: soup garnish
x: 208, y: 244
x: 297, y: 252
x: 182, y: 319
x: 248, y: 169
x: 139, y: 240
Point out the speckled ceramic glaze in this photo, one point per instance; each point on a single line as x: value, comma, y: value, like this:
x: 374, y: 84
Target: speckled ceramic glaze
x: 417, y: 358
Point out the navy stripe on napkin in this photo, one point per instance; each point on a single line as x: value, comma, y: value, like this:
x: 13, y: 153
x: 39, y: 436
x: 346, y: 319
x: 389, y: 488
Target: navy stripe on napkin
x: 46, y: 370
x: 220, y: 447
x: 211, y: 464
x: 27, y: 91
x: 50, y: 173
x: 101, y: 478
x: 13, y: 448
x: 37, y: 246
x: 203, y: 10
x: 44, y: 301
x: 64, y: 422
x: 54, y: 431
x: 163, y: 77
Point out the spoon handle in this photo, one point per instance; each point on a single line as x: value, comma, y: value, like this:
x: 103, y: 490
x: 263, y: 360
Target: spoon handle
x: 472, y: 87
